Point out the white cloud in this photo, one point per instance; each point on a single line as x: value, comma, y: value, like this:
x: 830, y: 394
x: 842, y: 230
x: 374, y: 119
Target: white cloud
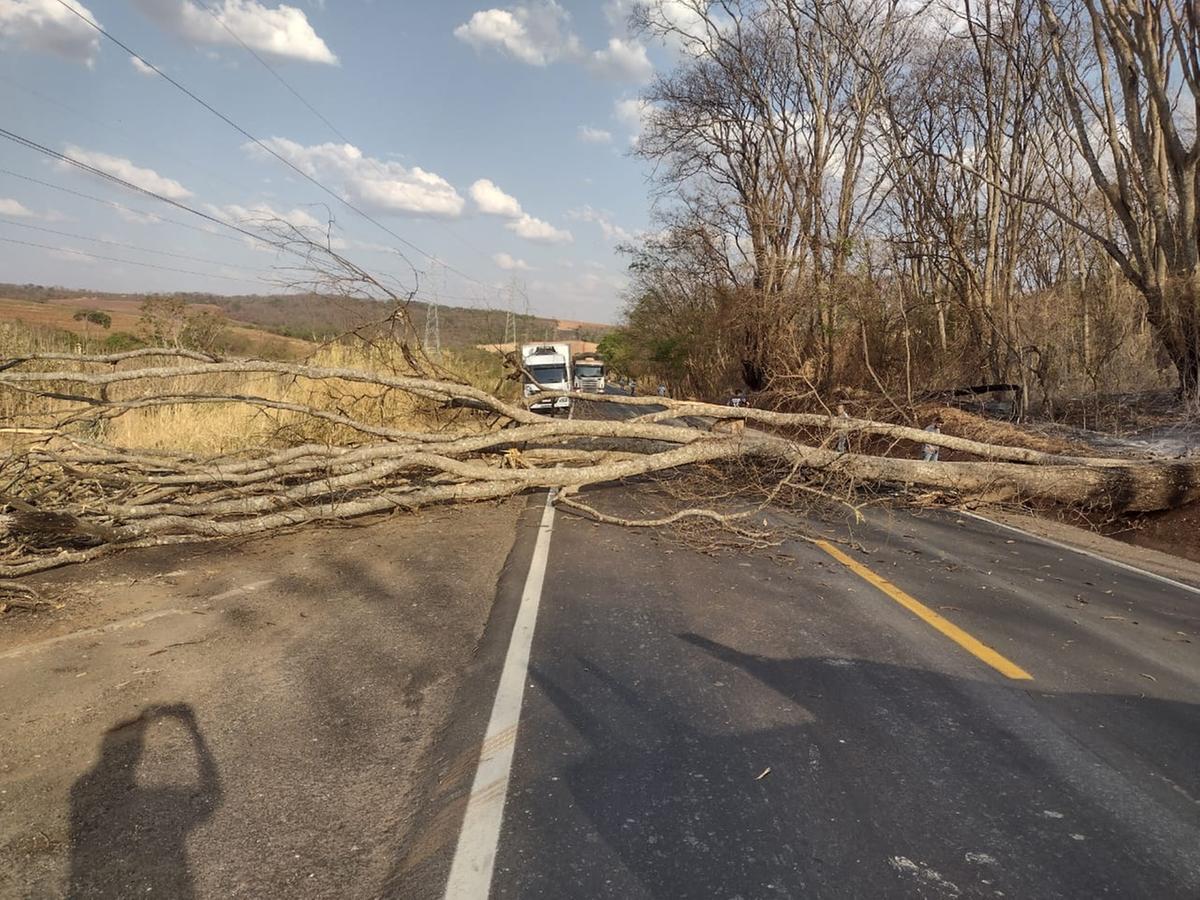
x: 622, y: 61
x: 125, y: 169
x: 539, y: 33
x: 493, y: 201
x: 282, y: 31
x: 593, y: 296
x: 48, y: 26
x: 534, y: 33
x: 632, y: 113
x: 685, y: 25
x: 10, y: 207
x: 610, y: 230
x: 262, y: 213
x: 141, y: 68
x: 382, y: 185
x: 538, y: 231
x: 617, y: 12
x: 137, y: 218
x: 590, y: 135
x: 510, y: 263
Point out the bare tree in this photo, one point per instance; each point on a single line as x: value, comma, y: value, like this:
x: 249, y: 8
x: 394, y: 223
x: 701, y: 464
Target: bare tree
x: 1127, y: 77
x: 765, y: 133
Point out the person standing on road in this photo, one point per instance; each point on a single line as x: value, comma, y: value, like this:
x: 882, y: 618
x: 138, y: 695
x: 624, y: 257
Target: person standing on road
x: 843, y: 440
x: 931, y: 450
x: 662, y: 390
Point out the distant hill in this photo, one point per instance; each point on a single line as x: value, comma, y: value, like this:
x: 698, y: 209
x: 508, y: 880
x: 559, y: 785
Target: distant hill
x: 316, y: 317
x: 54, y: 318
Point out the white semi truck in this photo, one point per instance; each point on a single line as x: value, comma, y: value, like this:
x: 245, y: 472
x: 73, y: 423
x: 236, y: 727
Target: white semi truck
x: 550, y: 368
x: 588, y: 372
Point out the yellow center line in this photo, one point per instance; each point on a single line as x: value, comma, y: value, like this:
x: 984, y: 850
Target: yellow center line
x: 920, y: 610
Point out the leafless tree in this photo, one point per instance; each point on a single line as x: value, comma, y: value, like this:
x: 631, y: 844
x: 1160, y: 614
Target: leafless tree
x: 1127, y: 90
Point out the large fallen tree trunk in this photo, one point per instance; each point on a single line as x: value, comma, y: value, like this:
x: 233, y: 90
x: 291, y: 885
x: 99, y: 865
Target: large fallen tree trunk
x: 67, y: 496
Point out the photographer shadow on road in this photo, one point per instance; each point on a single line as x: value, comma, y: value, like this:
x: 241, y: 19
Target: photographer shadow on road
x: 129, y: 837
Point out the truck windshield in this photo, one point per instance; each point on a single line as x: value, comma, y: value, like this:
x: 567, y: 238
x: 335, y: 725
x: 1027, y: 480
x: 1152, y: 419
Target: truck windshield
x: 589, y: 370
x: 548, y: 374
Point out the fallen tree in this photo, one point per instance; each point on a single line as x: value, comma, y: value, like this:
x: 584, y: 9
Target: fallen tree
x: 67, y: 496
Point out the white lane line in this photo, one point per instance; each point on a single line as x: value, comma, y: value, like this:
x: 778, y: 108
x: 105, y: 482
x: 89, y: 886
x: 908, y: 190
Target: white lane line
x: 475, y: 855
x: 1183, y: 586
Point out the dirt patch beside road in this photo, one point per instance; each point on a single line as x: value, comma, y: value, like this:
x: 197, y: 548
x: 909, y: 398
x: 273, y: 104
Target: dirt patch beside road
x: 1168, y: 561
x: 238, y: 720
x: 1174, y: 531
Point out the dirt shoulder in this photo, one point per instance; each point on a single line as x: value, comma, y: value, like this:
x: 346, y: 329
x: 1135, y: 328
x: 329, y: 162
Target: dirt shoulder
x: 238, y: 720
x: 1153, y: 560
x: 1172, y: 531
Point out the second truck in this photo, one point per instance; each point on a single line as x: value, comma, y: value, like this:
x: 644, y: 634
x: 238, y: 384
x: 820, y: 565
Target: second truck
x: 589, y: 373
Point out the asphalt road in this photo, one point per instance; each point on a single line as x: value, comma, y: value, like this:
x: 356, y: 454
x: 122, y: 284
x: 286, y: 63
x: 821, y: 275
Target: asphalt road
x: 926, y: 706
x: 955, y: 710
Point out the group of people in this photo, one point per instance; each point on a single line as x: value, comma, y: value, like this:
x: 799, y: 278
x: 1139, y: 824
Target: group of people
x: 631, y: 385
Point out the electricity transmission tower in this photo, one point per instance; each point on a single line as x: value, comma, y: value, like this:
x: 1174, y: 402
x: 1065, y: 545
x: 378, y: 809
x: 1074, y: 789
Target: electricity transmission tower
x: 433, y: 323
x: 512, y: 300
x: 510, y: 327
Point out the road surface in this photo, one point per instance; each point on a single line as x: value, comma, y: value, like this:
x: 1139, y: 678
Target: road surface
x: 962, y: 711
x: 923, y: 705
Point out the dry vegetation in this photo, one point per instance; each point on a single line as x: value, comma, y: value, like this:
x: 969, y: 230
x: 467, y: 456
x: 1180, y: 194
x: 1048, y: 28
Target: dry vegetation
x: 859, y: 200
x: 868, y: 196
x: 162, y: 446
x: 276, y: 410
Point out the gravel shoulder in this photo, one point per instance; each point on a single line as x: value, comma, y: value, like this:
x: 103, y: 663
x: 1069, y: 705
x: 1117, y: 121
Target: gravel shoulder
x: 239, y: 720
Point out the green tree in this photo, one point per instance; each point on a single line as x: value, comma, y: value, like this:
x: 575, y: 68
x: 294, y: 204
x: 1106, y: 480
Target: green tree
x: 616, y: 348
x: 167, y: 322
x: 163, y: 321
x: 90, y: 317
x: 120, y: 341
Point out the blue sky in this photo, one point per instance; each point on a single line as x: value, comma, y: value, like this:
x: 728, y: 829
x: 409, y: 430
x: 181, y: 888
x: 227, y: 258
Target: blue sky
x: 493, y: 137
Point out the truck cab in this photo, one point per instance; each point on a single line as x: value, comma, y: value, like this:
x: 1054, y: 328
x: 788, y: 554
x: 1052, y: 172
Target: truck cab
x: 589, y: 373
x: 548, y: 368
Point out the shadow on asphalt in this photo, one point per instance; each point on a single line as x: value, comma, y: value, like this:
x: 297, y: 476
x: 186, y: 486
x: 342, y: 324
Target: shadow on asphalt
x: 869, y: 778
x: 130, y: 838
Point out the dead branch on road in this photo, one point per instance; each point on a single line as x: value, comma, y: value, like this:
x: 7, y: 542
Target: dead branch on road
x: 68, y: 495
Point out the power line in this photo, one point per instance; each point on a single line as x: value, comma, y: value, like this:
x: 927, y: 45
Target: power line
x: 121, y: 206
x: 133, y: 262
x: 84, y: 237
x: 79, y: 114
x: 115, y: 205
x: 266, y: 65
x: 242, y: 131
x: 333, y: 128
x: 112, y: 126
x: 31, y: 144
x: 108, y: 176
x: 139, y: 212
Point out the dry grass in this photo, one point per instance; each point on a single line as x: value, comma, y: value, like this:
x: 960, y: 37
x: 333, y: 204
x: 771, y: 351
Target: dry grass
x: 228, y: 427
